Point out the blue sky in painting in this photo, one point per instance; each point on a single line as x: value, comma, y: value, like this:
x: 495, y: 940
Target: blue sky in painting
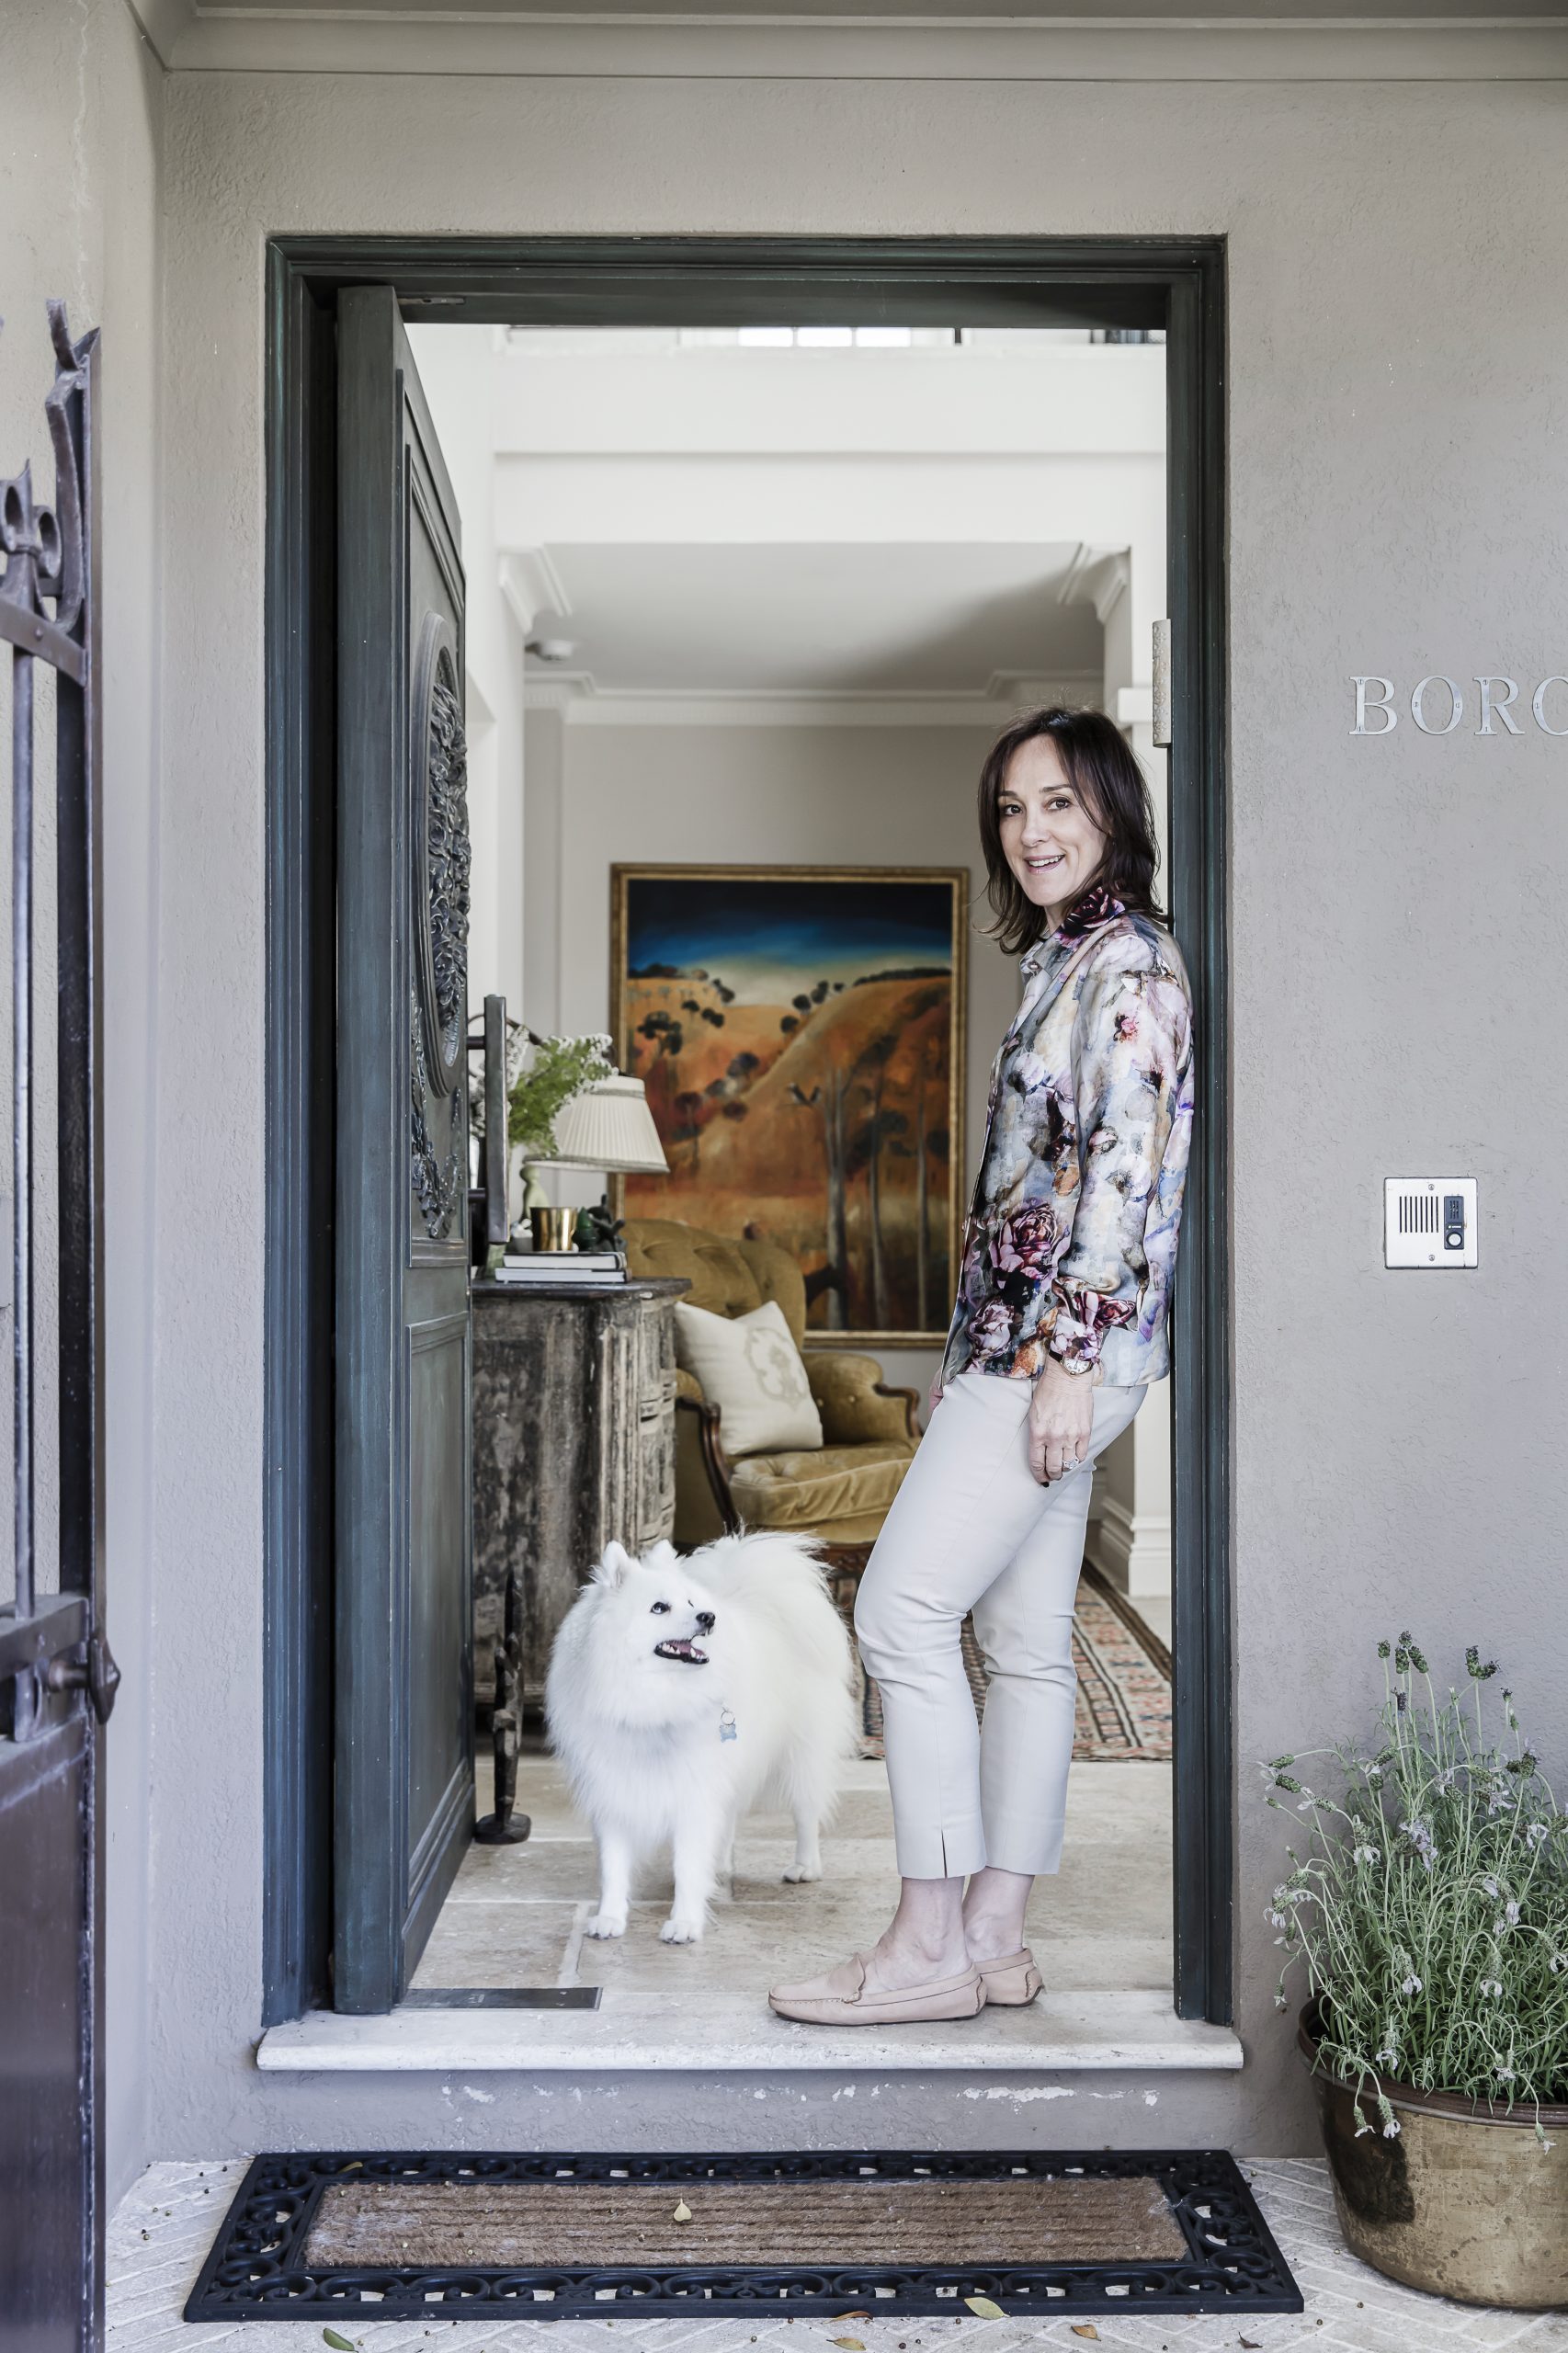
x: 761, y: 939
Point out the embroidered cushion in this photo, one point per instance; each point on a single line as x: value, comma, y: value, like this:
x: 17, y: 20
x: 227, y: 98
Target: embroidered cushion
x: 750, y: 1367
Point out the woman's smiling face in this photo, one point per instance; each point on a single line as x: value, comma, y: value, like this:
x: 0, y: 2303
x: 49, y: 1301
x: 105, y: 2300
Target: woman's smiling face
x: 1049, y: 839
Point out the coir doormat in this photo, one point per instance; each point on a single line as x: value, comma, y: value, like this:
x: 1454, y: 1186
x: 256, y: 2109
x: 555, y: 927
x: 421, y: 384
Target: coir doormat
x: 869, y: 2233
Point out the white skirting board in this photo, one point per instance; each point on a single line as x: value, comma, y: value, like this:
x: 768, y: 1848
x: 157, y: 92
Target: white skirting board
x: 1133, y: 1549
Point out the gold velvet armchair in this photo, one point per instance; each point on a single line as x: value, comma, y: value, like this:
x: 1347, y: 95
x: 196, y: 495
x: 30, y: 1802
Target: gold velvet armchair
x: 838, y: 1493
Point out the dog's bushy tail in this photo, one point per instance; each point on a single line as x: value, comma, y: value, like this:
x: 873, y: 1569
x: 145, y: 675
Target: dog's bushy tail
x: 780, y: 1579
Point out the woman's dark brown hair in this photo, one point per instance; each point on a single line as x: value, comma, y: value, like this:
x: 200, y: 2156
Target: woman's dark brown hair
x: 1109, y: 783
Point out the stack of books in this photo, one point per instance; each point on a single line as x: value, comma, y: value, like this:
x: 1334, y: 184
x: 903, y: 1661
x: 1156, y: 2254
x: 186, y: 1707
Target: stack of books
x: 537, y: 1269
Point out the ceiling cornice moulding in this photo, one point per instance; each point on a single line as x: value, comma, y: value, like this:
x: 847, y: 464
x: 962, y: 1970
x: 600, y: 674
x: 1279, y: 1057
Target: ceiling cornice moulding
x: 1096, y: 577
x: 720, y: 48
x: 531, y: 585
x: 583, y: 703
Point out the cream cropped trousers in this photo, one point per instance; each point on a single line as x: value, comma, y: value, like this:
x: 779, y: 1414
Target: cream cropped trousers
x: 971, y: 1529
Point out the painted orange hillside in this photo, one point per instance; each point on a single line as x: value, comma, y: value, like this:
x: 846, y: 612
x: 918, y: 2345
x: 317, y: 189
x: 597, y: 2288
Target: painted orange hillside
x: 829, y: 1136
x: 713, y: 1028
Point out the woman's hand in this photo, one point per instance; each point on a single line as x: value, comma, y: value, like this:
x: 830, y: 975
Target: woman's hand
x: 1061, y: 1416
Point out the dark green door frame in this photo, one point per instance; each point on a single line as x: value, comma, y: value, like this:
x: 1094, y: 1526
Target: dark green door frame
x: 1171, y: 282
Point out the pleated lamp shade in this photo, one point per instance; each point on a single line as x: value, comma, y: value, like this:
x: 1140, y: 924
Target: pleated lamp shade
x: 610, y: 1127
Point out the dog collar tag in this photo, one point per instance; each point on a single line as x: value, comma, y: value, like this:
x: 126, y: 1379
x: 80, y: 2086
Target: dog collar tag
x: 727, y: 1726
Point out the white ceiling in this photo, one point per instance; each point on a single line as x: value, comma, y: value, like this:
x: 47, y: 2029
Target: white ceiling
x: 813, y: 620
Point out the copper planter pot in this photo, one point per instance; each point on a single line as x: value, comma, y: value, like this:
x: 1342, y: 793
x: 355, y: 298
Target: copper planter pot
x: 1463, y: 2201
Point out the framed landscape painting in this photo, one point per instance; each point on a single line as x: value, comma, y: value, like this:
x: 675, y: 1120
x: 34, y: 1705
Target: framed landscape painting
x: 799, y: 1032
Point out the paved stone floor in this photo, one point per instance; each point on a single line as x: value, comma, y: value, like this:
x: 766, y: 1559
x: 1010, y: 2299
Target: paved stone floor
x: 516, y: 1914
x: 161, y: 2233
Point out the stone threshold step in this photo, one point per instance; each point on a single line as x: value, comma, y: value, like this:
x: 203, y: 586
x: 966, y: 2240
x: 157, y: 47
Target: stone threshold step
x: 636, y: 2033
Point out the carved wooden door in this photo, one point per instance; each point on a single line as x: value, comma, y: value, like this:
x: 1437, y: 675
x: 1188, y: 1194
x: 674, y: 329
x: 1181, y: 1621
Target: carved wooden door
x: 403, y: 1803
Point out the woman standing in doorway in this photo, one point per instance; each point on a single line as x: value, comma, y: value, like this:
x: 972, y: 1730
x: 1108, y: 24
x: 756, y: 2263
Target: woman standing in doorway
x: 1059, y: 1327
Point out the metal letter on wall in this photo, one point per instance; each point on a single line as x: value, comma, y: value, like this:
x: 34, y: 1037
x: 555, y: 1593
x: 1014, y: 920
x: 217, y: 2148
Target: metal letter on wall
x: 437, y: 1066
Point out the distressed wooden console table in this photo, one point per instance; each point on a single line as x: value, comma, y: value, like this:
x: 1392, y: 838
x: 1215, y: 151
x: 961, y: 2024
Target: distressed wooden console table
x: 574, y: 1445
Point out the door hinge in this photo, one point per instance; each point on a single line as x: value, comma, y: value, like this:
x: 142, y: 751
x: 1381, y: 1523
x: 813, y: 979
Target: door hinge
x: 1161, y: 698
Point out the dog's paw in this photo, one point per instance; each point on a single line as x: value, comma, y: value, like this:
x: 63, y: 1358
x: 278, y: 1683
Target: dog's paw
x: 798, y: 1872
x: 680, y: 1932
x: 607, y: 1923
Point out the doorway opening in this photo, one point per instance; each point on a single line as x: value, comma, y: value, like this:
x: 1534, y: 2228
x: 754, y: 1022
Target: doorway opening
x: 755, y: 599
x: 761, y: 598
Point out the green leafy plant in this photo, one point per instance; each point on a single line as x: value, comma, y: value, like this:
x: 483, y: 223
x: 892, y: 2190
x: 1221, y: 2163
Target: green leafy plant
x: 1430, y: 1913
x: 561, y: 1069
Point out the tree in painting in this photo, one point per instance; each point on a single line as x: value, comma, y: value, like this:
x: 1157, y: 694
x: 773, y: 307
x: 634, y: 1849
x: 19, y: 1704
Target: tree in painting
x: 795, y: 1034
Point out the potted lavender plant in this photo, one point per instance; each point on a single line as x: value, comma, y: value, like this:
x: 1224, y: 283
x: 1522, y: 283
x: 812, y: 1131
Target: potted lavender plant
x: 1429, y: 1913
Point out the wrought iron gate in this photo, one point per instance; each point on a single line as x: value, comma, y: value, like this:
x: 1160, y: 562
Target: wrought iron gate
x: 57, y: 1677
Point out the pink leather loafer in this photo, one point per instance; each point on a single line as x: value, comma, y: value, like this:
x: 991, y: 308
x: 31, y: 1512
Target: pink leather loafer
x: 1011, y: 1980
x: 843, y: 1999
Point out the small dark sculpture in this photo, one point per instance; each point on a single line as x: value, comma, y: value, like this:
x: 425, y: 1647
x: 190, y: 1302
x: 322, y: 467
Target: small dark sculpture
x: 504, y: 1828
x: 597, y: 1229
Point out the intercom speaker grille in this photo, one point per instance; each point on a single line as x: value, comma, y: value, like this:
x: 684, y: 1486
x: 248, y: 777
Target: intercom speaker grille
x: 1429, y: 1221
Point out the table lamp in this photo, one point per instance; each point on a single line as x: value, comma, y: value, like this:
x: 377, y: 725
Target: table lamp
x: 609, y: 1126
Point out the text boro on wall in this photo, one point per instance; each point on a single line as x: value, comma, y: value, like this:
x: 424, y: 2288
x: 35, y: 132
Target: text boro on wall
x: 1438, y: 704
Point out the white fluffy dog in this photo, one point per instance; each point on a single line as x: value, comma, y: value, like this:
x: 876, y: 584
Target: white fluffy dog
x: 683, y: 1692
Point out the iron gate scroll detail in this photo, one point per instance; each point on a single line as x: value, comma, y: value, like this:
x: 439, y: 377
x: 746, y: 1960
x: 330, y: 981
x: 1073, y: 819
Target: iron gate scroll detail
x: 54, y: 1643
x: 443, y: 858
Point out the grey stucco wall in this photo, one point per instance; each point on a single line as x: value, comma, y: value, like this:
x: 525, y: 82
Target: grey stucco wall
x: 81, y: 118
x: 1398, y: 382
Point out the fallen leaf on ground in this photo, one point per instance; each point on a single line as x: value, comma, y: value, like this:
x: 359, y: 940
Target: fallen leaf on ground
x: 849, y: 2343
x: 683, y: 2211
x: 338, y: 2343
x: 1086, y: 2328
x: 984, y: 2307
x: 851, y: 2315
x: 1251, y: 2344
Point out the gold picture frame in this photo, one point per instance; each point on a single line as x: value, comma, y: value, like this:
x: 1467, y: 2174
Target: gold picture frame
x: 851, y: 1087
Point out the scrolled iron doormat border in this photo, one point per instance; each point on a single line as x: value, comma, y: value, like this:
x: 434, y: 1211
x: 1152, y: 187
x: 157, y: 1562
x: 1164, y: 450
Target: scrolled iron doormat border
x: 256, y: 2272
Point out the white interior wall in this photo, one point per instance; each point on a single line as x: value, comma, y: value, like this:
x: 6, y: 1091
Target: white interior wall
x: 892, y: 496
x: 581, y: 393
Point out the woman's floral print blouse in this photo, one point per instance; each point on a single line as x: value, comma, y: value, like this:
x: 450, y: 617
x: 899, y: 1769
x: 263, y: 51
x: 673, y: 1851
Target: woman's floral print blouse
x: 1071, y: 1235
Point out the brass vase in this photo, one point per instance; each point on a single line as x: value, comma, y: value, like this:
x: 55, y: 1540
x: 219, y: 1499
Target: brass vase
x: 1463, y: 2201
x: 552, y: 1228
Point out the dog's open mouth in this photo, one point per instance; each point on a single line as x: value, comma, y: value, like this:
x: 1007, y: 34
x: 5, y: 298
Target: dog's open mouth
x: 678, y: 1648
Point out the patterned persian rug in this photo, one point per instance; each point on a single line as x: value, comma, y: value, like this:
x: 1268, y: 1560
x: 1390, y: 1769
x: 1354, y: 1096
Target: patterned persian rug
x: 1124, y: 1681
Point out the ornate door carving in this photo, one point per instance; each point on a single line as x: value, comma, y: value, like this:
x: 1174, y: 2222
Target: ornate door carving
x: 438, y: 1021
